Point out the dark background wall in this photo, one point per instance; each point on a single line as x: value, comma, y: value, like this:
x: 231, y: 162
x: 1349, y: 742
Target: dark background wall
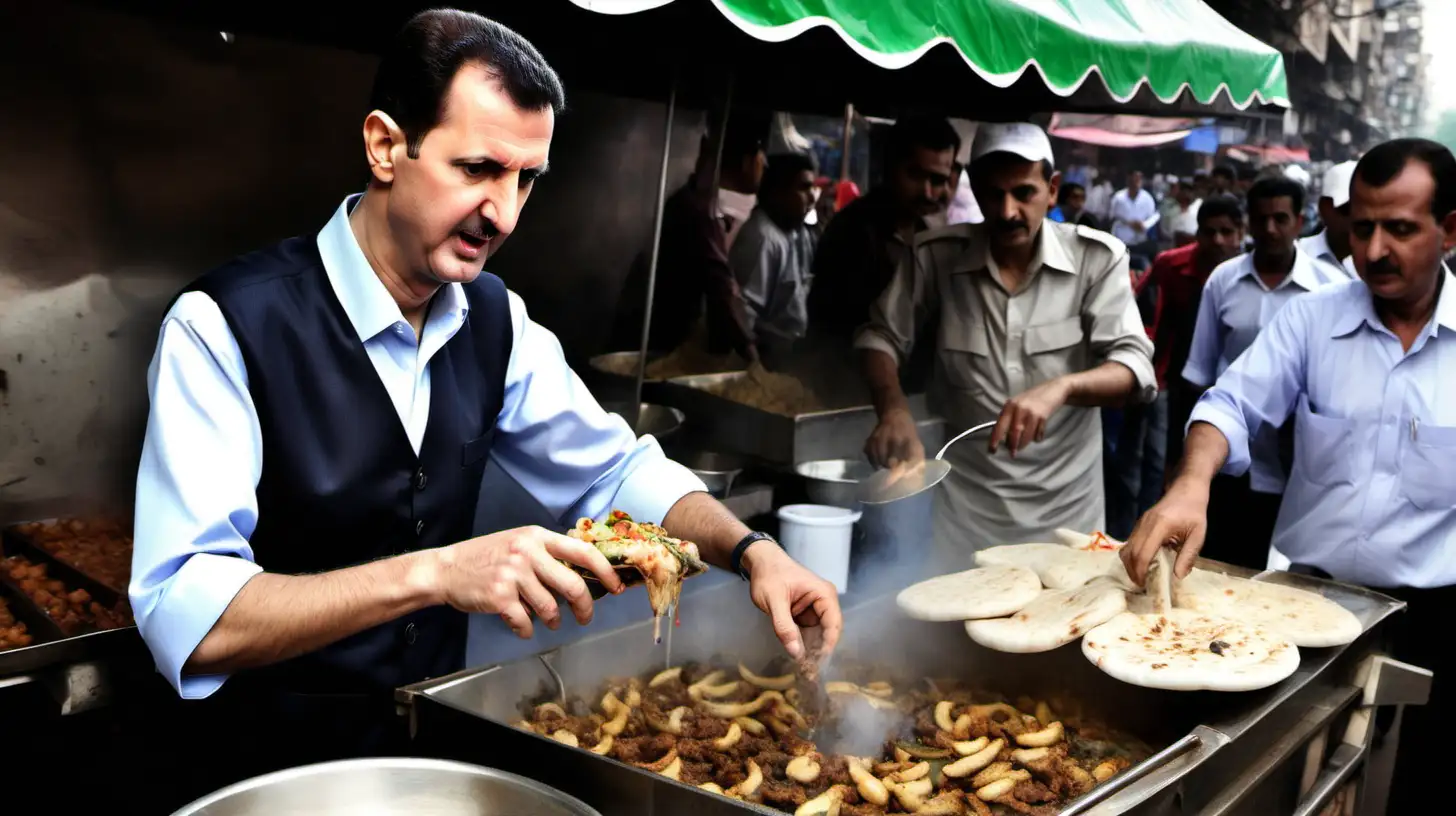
x: 138, y: 154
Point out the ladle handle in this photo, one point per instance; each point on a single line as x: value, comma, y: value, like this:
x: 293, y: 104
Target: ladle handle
x: 962, y: 435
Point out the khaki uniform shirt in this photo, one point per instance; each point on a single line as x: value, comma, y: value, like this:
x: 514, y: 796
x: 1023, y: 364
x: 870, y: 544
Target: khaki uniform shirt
x: 1074, y: 312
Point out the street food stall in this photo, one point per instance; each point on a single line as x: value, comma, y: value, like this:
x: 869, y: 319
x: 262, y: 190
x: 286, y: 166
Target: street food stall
x: 64, y: 623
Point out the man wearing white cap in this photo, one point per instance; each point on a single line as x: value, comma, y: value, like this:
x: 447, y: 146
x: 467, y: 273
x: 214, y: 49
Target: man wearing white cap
x: 1330, y: 247
x: 1037, y: 328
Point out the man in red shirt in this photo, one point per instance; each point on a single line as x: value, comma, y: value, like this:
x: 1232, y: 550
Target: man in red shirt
x: 1169, y: 294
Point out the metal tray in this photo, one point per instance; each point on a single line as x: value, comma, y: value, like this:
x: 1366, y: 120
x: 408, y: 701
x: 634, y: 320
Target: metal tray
x: 13, y: 543
x: 722, y: 424
x: 608, y: 385
x: 468, y: 714
x: 51, y: 646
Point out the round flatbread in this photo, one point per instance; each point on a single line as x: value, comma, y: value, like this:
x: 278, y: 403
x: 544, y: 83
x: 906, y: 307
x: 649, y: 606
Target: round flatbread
x: 1186, y: 651
x: 1058, y: 566
x: 1072, y: 538
x: 1055, y: 618
x: 986, y: 592
x: 1305, y: 618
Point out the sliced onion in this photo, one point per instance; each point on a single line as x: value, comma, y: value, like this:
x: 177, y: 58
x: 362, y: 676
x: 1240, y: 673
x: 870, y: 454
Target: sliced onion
x: 780, y: 683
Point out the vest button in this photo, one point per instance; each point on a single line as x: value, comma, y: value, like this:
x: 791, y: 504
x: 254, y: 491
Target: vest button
x: 420, y: 479
x: 411, y: 634
x: 419, y: 526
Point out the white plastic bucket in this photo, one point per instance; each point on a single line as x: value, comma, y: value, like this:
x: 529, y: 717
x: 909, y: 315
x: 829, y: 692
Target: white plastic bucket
x: 818, y: 536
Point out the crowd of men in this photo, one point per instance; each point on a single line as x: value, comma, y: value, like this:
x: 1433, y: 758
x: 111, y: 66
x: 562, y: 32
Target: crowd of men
x: 1199, y: 367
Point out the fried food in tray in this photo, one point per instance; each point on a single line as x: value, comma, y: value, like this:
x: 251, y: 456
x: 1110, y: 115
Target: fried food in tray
x: 73, y: 610
x: 98, y: 547
x: 13, y: 633
x: 642, y: 553
x: 947, y: 749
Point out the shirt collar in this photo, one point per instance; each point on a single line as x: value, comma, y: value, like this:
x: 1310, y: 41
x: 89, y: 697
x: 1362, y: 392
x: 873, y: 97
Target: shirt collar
x: 1049, y: 251
x: 1302, y: 275
x: 1318, y: 246
x: 1348, y: 320
x: 367, y: 303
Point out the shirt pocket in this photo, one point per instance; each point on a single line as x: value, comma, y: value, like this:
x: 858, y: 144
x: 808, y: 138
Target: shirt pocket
x: 1428, y: 469
x: 1054, y: 349
x: 1323, y: 447
x: 965, y: 354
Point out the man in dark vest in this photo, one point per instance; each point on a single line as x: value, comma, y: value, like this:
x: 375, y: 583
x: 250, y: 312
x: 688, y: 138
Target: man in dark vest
x: 322, y: 411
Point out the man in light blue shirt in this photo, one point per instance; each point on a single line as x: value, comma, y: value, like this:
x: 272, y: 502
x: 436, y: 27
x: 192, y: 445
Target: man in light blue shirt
x: 321, y: 412
x: 1240, y: 298
x: 1368, y: 371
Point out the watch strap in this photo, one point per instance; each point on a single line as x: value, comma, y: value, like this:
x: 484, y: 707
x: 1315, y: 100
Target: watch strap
x: 736, y: 562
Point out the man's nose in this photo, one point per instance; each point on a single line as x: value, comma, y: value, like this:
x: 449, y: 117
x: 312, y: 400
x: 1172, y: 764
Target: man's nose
x: 500, y: 206
x: 1375, y: 249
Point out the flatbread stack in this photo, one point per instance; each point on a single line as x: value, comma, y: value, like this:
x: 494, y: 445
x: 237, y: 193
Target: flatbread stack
x: 1184, y: 650
x: 1059, y: 566
x: 1209, y: 631
x: 1303, y: 617
x: 987, y: 592
x: 1057, y: 617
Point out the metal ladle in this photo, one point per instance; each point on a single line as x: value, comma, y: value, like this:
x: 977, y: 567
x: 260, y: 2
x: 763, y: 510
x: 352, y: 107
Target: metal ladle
x: 902, y: 482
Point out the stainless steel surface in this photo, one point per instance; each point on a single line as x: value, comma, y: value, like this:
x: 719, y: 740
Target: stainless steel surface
x: 722, y: 424
x: 385, y: 787
x: 717, y: 470
x: 1216, y: 736
x: 1392, y: 682
x: 834, y: 482
x: 1124, y: 780
x: 1336, y: 772
x: 658, y: 420
x: 894, y: 484
x: 1316, y: 718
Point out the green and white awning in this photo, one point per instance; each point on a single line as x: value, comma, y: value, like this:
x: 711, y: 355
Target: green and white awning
x: 1181, y: 51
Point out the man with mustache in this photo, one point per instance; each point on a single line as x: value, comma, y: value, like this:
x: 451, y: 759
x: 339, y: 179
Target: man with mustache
x: 1239, y: 300
x: 1365, y: 368
x: 1037, y: 328
x: 322, y: 412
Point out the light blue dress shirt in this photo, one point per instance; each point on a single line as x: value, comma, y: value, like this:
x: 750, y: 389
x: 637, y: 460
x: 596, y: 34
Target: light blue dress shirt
x: 1372, y: 496
x: 1235, y: 308
x: 1317, y: 246
x: 201, y: 460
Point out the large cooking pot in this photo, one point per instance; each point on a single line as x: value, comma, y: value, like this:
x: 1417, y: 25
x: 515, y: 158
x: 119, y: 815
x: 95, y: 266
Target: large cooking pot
x: 388, y: 786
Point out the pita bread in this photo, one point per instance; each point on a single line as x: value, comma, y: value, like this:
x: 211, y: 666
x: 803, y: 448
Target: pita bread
x: 1083, y: 541
x: 1305, y: 618
x: 1055, y: 618
x: 1058, y: 566
x: 987, y: 592
x: 1186, y: 651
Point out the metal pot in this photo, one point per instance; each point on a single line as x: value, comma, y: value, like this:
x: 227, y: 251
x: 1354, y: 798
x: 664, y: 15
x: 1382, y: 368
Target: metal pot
x: 717, y: 470
x: 834, y: 481
x: 388, y: 786
x: 658, y: 420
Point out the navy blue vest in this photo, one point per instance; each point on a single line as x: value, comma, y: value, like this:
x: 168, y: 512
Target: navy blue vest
x: 341, y: 484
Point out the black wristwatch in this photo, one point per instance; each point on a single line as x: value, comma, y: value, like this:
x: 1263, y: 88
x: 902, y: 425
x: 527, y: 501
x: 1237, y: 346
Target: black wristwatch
x: 736, y: 562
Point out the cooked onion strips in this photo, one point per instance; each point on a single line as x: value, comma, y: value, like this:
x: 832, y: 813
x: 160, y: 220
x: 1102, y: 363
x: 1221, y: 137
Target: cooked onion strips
x: 780, y: 683
x: 975, y: 762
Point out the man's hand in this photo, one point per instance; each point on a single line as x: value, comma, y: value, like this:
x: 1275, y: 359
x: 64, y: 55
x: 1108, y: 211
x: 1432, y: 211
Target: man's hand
x: 1024, y: 418
x: 1136, y: 225
x: 511, y: 572
x: 803, y: 606
x: 1181, y: 518
x: 895, y: 440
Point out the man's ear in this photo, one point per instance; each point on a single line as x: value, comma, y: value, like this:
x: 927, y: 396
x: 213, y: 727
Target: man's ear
x: 1053, y: 185
x: 384, y: 145
x: 1449, y: 225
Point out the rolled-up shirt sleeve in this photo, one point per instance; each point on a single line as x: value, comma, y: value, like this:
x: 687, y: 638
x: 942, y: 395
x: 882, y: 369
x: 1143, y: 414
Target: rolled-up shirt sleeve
x: 898, y: 313
x: 1115, y: 327
x: 1260, y: 388
x: 572, y: 456
x: 195, y: 501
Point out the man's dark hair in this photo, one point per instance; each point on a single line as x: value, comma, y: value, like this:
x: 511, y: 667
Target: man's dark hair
x: 1067, y: 189
x: 1247, y: 173
x: 1281, y: 187
x: 1385, y: 161
x: 1220, y: 206
x: 413, y: 80
x: 928, y: 132
x: 747, y: 131
x: 1224, y: 171
x: 784, y: 169
x: 1199, y: 176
